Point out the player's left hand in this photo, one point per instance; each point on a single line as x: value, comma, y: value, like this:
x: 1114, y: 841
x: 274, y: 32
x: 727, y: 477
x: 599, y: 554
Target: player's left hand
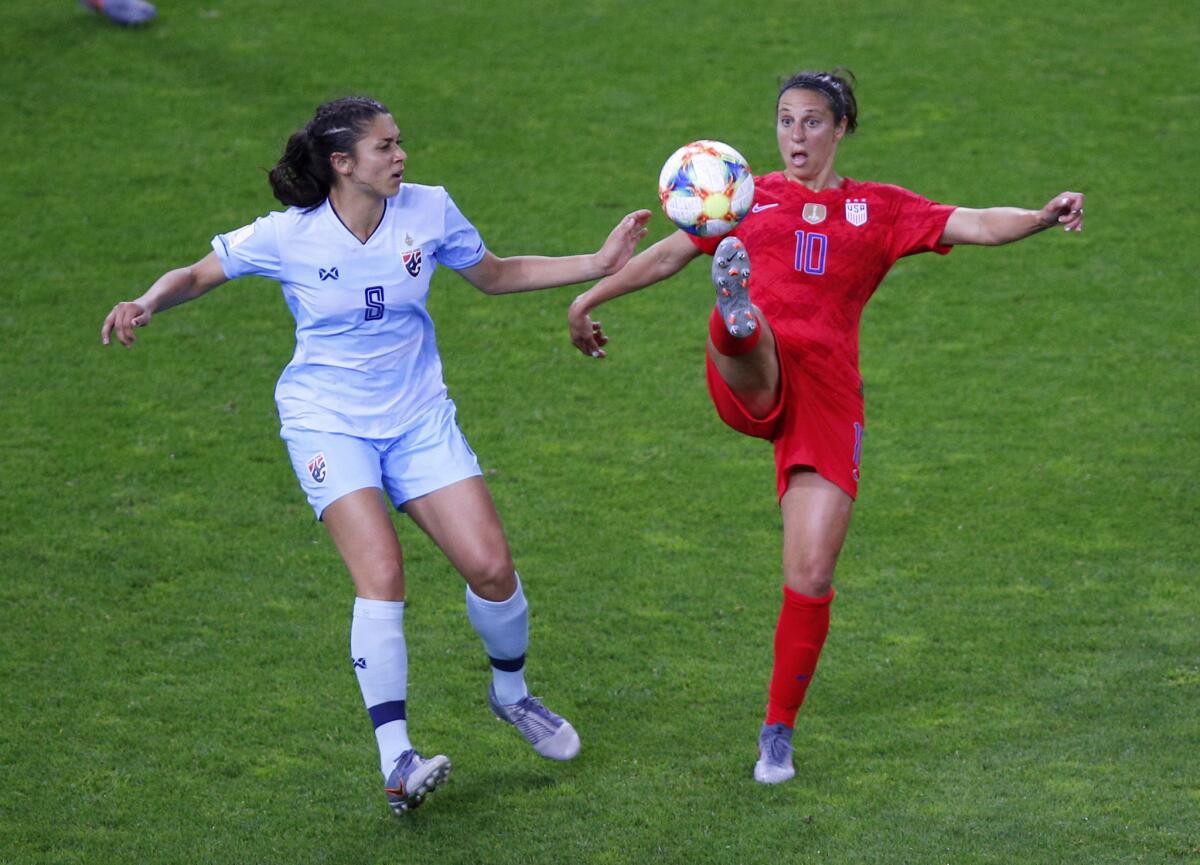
x: 587, y: 335
x: 622, y: 242
x: 1065, y: 209
x: 125, y: 316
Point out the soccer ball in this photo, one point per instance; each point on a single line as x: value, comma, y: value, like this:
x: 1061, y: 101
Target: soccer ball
x: 706, y: 188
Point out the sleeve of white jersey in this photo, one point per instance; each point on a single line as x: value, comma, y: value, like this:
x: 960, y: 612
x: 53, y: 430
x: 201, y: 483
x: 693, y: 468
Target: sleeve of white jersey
x: 252, y: 250
x: 461, y: 245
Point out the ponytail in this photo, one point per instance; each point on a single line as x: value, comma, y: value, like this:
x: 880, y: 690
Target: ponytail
x: 303, y: 176
x: 295, y: 179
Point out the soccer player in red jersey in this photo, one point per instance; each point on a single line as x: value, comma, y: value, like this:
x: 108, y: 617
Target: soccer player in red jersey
x: 783, y: 343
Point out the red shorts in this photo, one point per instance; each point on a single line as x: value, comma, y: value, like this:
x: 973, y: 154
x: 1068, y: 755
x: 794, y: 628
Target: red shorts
x: 813, y: 424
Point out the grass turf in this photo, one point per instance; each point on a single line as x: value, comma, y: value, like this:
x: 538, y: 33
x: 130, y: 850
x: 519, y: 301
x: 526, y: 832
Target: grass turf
x: 1013, y: 671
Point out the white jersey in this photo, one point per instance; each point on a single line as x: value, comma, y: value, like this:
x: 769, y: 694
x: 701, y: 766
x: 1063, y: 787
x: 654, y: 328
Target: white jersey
x: 366, y: 361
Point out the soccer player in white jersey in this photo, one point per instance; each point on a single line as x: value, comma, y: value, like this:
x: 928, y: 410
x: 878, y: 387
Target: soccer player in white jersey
x: 363, y: 404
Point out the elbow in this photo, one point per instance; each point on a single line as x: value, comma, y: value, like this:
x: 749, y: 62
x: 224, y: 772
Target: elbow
x: 492, y: 287
x: 493, y: 276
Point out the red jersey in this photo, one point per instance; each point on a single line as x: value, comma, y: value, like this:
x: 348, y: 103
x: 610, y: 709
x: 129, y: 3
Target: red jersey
x: 817, y: 257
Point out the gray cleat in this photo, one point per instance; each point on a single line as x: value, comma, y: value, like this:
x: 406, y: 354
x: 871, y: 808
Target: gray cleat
x: 731, y: 278
x: 128, y: 13
x: 550, y: 735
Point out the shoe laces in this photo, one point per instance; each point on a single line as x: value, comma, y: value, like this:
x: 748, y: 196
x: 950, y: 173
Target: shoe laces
x: 534, y: 720
x: 406, y: 762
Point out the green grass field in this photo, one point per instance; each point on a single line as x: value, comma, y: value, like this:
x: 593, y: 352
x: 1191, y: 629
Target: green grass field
x: 1013, y: 673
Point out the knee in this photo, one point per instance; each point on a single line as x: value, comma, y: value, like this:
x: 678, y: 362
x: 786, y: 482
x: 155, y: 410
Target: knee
x: 492, y: 577
x: 383, y: 580
x: 814, y: 579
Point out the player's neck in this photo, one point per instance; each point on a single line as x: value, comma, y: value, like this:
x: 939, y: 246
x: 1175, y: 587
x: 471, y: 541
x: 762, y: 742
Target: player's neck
x: 825, y: 179
x: 358, y: 211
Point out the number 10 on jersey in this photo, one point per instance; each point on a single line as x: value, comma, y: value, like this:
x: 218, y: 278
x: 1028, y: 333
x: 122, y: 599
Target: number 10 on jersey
x: 810, y: 252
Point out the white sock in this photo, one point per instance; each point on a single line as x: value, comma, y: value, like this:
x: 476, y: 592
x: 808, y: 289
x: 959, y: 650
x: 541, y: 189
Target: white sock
x: 504, y: 627
x: 380, y: 659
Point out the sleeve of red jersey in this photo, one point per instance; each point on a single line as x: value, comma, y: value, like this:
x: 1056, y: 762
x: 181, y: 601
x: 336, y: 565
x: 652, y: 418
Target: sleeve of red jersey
x: 918, y: 225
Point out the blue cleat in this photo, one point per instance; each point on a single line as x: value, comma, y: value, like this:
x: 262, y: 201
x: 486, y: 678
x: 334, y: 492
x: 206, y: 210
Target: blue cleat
x: 413, y: 779
x: 550, y: 735
x: 774, y: 764
x: 731, y: 278
x: 128, y: 13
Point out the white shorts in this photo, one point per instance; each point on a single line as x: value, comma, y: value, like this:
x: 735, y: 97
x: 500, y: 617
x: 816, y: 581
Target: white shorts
x: 431, y: 454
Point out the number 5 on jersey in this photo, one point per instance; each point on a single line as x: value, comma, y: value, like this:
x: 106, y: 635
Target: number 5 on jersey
x: 374, y: 298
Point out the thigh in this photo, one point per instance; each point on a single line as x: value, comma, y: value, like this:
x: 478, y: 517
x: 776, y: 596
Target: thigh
x: 364, y: 534
x: 330, y: 465
x: 736, y: 413
x: 462, y: 520
x: 816, y: 517
x: 431, y: 455
x: 753, y: 379
x: 822, y: 429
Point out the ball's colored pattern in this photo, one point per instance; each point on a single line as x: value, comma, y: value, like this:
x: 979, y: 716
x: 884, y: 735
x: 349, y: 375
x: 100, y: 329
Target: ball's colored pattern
x: 706, y: 188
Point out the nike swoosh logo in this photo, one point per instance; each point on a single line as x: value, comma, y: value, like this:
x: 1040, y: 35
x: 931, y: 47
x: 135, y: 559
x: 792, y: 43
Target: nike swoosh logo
x: 756, y: 208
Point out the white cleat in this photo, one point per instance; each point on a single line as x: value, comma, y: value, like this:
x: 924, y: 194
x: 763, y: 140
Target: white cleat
x: 414, y: 778
x: 774, y: 764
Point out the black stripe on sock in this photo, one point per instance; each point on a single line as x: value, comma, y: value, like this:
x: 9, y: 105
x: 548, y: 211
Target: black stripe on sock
x: 385, y: 713
x: 508, y: 665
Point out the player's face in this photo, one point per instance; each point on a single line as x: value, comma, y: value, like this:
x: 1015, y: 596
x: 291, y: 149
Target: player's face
x: 378, y: 163
x: 807, y: 134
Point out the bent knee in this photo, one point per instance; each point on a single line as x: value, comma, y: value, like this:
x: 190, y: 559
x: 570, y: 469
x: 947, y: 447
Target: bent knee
x: 492, y: 578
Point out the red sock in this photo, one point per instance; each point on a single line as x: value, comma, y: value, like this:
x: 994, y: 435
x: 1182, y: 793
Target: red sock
x: 726, y: 343
x: 799, y: 636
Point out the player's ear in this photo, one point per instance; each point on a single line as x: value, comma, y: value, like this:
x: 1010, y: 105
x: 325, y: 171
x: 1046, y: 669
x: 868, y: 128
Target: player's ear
x: 342, y: 163
x: 841, y: 130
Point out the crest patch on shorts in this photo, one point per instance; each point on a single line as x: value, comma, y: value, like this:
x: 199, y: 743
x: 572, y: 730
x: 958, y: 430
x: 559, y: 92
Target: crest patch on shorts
x: 316, y: 468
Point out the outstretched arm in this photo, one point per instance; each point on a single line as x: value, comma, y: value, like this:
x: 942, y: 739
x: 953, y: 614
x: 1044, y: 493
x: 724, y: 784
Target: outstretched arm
x: 171, y: 289
x: 663, y: 259
x: 997, y: 225
x: 530, y: 272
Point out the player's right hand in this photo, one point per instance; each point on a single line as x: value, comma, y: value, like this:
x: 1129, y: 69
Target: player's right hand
x: 125, y: 316
x: 587, y: 335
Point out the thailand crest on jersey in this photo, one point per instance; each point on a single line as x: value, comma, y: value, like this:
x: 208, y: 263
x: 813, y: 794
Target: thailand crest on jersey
x: 814, y: 214
x: 412, y: 262
x: 856, y: 211
x: 316, y: 468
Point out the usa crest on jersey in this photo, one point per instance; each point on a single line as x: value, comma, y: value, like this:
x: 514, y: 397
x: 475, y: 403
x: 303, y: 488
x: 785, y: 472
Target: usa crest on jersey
x: 412, y: 262
x: 316, y: 468
x: 856, y: 211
